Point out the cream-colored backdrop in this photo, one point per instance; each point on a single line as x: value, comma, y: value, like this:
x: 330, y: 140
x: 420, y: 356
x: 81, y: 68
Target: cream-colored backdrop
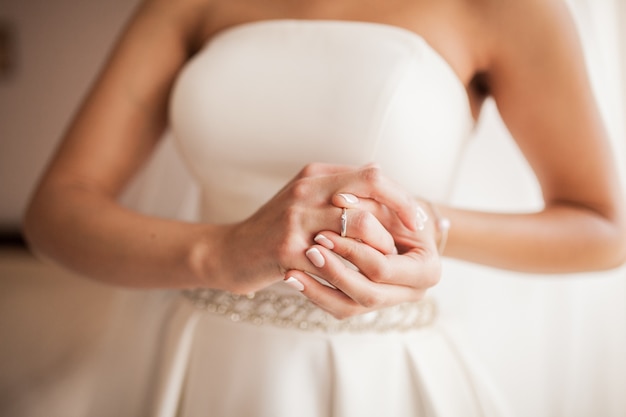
x: 57, y: 47
x: 554, y: 344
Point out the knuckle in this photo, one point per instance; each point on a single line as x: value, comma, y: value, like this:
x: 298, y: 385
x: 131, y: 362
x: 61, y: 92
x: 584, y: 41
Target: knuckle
x: 310, y: 170
x: 301, y: 189
x: 372, y: 174
x: 365, y: 221
x: 381, y: 273
x: 372, y: 300
x: 356, y: 220
x: 349, y: 251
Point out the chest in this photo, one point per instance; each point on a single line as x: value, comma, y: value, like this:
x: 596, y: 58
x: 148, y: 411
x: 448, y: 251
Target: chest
x: 447, y: 25
x: 263, y: 99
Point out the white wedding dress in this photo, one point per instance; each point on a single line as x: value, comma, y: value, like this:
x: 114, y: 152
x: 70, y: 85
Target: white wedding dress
x: 255, y: 105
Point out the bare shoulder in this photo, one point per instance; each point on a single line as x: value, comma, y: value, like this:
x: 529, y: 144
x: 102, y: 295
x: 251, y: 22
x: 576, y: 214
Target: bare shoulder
x: 525, y: 46
x: 185, y: 17
x: 514, y: 16
x: 176, y: 9
x: 529, y: 29
x: 538, y: 78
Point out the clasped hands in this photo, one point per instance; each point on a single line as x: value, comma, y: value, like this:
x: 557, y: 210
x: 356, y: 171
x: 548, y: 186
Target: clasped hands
x: 297, y: 235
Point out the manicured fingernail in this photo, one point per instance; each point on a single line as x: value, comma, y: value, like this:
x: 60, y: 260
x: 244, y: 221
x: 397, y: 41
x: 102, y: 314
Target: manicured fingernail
x: 420, y: 218
x: 315, y: 256
x: 294, y: 283
x: 395, y: 250
x: 324, y: 241
x: 349, y: 198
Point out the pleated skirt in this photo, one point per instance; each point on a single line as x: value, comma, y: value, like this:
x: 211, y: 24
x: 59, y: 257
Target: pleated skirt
x: 208, y: 365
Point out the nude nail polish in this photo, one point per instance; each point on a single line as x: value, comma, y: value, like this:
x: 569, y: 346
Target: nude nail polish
x: 420, y: 218
x: 294, y: 283
x: 349, y: 198
x: 324, y: 241
x: 315, y: 256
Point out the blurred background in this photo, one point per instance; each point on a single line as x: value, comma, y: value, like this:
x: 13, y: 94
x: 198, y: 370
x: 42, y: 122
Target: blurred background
x: 555, y: 345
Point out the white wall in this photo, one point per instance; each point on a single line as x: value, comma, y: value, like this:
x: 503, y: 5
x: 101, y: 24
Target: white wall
x: 59, y: 46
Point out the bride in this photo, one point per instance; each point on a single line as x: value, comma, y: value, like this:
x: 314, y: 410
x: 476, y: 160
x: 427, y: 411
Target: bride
x: 325, y: 138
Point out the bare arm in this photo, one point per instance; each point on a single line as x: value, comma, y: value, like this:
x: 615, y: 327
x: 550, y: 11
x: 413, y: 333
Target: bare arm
x: 538, y: 79
x: 73, y: 216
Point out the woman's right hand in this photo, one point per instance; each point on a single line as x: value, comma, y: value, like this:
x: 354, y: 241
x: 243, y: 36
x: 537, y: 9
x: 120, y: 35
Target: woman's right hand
x: 256, y: 252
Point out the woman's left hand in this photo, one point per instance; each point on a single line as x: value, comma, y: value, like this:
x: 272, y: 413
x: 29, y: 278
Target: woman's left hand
x: 379, y: 279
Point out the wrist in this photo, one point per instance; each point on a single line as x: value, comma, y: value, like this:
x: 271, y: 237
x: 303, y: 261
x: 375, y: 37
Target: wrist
x: 204, y: 255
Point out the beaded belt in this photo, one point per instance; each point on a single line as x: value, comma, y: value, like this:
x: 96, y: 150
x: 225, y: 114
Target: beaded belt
x: 297, y: 312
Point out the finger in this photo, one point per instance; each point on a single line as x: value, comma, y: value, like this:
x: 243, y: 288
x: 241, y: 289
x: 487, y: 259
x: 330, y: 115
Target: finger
x: 403, y: 237
x: 367, y: 252
x: 369, y: 182
x: 361, y: 225
x: 416, y: 269
x: 353, y: 283
x: 387, y: 218
x: 380, y: 211
x: 364, y: 226
x: 345, y: 200
x: 332, y: 300
x: 376, y: 266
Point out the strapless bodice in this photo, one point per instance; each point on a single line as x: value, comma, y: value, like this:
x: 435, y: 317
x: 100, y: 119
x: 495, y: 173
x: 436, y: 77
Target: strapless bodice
x: 262, y: 99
